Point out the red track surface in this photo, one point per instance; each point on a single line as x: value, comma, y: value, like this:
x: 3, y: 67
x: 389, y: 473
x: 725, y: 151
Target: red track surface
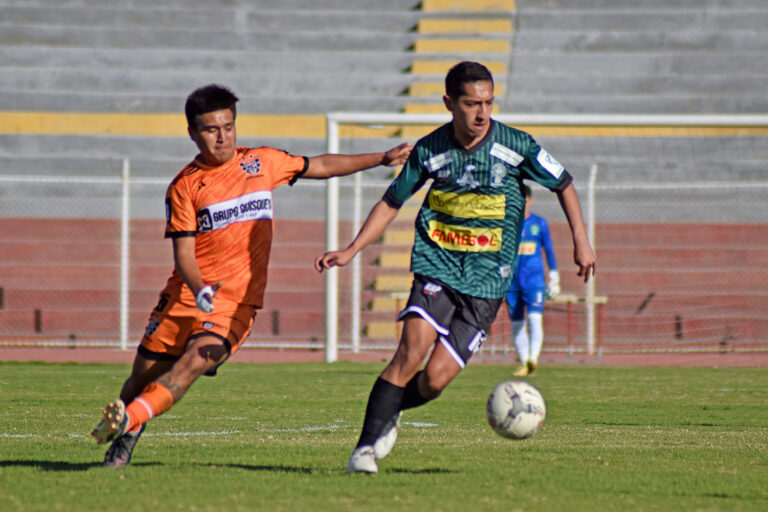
x: 106, y: 355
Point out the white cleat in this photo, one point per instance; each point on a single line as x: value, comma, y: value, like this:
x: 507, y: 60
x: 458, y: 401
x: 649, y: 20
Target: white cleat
x: 113, y: 423
x: 362, y: 460
x: 386, y: 441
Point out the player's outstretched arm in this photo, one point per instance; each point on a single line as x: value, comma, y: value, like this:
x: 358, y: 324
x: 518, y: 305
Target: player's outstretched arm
x: 328, y: 166
x: 373, y: 227
x: 188, y: 269
x: 583, y: 254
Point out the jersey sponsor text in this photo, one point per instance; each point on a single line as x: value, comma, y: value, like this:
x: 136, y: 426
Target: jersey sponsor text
x: 468, y: 206
x: 253, y: 206
x: 465, y: 239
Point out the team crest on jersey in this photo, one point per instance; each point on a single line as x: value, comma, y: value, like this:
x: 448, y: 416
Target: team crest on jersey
x: 468, y: 179
x: 251, y: 168
x: 432, y: 289
x: 535, y: 230
x: 498, y: 172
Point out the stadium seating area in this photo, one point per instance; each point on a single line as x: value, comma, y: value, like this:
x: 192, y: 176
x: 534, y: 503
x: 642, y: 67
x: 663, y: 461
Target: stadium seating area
x: 82, y: 84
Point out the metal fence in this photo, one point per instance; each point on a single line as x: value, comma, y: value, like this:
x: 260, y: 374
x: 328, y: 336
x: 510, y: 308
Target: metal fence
x: 682, y: 255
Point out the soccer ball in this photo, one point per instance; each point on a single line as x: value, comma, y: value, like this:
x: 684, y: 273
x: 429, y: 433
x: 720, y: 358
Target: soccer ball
x: 516, y: 409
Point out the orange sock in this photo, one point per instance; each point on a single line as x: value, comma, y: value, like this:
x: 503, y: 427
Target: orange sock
x: 153, y: 401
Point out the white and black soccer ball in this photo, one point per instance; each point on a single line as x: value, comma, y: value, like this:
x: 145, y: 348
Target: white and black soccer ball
x: 516, y: 409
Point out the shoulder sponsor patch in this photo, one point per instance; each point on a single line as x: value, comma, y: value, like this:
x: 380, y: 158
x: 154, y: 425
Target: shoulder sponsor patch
x: 469, y: 205
x: 549, y: 163
x: 465, y: 239
x: 504, y: 153
x: 437, y: 162
x: 253, y: 206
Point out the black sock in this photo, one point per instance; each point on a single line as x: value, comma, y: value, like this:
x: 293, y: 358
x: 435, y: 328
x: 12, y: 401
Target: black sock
x: 383, y: 404
x: 412, y: 397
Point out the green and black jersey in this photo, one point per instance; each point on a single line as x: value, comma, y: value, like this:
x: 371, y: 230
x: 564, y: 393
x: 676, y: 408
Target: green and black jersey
x: 468, y: 228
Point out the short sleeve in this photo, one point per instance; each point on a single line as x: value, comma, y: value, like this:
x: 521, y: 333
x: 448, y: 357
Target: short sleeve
x: 543, y: 168
x: 180, y: 216
x: 283, y: 167
x: 410, y: 179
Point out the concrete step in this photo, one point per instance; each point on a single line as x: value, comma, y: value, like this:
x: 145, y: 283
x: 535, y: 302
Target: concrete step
x: 268, y: 5
x: 469, y: 6
x: 292, y: 83
x: 694, y: 304
x: 632, y: 5
x: 245, y: 18
x: 636, y: 104
x: 615, y: 63
x: 350, y: 60
x: 610, y: 40
x: 105, y: 322
x: 137, y: 101
x: 260, y: 39
x: 639, y: 18
x: 632, y: 84
x: 641, y: 331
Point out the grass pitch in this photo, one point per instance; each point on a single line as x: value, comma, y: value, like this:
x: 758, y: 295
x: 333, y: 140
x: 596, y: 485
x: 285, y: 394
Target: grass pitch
x: 277, y: 437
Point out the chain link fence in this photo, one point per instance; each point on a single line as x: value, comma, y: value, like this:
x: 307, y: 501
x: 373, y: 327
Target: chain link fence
x: 682, y: 261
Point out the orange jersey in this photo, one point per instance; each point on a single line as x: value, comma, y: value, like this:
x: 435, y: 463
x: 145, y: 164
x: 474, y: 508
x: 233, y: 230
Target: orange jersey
x: 229, y: 210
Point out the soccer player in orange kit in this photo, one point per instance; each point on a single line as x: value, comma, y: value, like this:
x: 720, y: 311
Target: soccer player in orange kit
x: 219, y: 212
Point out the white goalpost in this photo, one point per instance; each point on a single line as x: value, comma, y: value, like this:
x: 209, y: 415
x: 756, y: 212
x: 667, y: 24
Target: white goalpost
x: 728, y: 123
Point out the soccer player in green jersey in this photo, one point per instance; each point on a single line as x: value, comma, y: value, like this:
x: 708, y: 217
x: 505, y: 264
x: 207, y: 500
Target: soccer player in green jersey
x: 465, y: 246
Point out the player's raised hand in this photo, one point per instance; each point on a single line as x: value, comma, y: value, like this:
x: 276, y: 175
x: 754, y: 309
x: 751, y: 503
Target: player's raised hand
x: 397, y: 155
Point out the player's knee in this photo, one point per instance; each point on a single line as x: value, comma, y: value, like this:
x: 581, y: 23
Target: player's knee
x: 431, y: 386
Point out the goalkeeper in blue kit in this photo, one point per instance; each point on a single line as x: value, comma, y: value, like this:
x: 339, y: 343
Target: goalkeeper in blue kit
x: 465, y: 243
x: 529, y: 288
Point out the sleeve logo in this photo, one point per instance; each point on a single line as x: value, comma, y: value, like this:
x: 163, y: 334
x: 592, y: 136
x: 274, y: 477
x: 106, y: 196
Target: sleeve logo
x: 549, y: 163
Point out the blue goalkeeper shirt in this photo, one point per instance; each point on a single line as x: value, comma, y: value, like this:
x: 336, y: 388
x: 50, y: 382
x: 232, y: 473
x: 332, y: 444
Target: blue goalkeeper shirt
x: 535, y: 241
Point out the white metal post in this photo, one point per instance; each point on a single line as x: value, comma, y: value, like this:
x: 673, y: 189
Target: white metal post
x: 125, y: 226
x: 332, y: 244
x: 590, y: 287
x: 356, y: 267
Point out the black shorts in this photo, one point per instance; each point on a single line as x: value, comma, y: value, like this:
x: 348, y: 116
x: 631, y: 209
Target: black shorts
x: 461, y: 321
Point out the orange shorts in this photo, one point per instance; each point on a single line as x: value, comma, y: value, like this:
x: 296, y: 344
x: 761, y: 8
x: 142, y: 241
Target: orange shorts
x: 173, y: 323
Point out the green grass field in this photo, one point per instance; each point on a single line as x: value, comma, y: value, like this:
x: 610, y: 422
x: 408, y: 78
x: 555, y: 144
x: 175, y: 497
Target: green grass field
x: 276, y: 437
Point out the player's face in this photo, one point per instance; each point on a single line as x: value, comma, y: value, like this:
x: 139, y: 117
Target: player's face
x: 471, y: 112
x: 215, y: 136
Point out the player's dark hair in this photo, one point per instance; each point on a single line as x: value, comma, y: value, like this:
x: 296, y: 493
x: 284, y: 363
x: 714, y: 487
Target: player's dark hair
x: 526, y: 191
x: 209, y: 98
x: 463, y: 73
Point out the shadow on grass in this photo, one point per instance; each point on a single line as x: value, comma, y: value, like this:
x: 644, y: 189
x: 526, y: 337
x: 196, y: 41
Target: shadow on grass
x: 423, y: 471
x: 255, y: 467
x: 52, y: 465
